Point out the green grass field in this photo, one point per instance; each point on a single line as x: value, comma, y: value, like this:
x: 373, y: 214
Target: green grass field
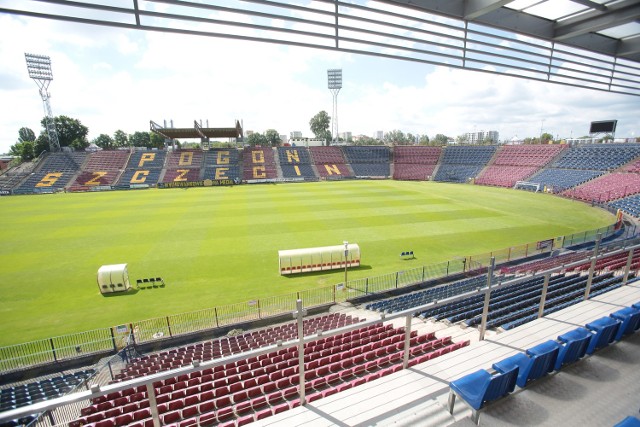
x: 215, y: 246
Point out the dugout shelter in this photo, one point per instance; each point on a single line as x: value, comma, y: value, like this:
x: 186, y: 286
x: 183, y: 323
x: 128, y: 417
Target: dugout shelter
x: 306, y: 260
x: 113, y: 278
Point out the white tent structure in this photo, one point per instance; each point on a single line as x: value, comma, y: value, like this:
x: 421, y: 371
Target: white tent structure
x: 113, y: 278
x: 318, y: 259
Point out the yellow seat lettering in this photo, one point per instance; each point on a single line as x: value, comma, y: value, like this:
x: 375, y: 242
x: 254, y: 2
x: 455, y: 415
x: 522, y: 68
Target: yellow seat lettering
x: 49, y: 179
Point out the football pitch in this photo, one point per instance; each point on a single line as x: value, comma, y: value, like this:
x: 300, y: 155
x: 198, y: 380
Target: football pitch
x: 215, y: 246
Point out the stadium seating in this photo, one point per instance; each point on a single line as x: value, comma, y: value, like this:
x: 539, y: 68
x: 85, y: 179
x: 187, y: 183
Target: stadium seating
x: 144, y: 168
x: 536, y: 362
x: 504, y: 176
x: 559, y: 180
x: 294, y: 156
x: 468, y: 154
x: 545, y: 263
x: 17, y: 396
x: 601, y: 157
x: 607, y: 188
x: 101, y: 169
x: 258, y: 387
x: 53, y: 174
x: 181, y: 175
x: 573, y: 346
x: 185, y: 159
x: 509, y: 306
x: 258, y: 163
x: 630, y: 205
x: 516, y: 162
x: 295, y: 162
x: 222, y: 163
x: 482, y: 387
x: 330, y: 162
x: 416, y: 299
x: 368, y: 161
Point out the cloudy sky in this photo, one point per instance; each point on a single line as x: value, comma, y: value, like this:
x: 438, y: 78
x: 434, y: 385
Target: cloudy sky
x: 114, y: 79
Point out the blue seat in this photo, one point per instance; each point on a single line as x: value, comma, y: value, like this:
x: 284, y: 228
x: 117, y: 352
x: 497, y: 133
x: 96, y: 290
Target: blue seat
x: 629, y: 318
x: 629, y: 421
x: 604, y: 332
x: 537, y: 362
x: 481, y: 387
x: 574, y: 346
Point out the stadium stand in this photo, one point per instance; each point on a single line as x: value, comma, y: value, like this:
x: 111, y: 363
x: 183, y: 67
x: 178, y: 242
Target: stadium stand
x: 368, y: 161
x: 630, y: 205
x: 13, y: 176
x: 461, y: 163
x: 516, y: 162
x: 258, y: 387
x: 415, y: 163
x: 295, y: 162
x: 144, y: 168
x: 330, y: 162
x: 517, y: 304
x: 558, y: 180
x: 16, y: 396
x: 544, y: 264
x: 633, y: 167
x: 606, y: 188
x: 181, y: 175
x: 185, y: 159
x: 222, y: 163
x: 183, y: 166
x: 258, y: 163
x: 602, y: 157
x: 54, y: 173
x: 102, y: 168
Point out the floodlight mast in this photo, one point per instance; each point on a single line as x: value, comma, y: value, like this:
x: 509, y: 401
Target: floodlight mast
x: 39, y: 68
x: 335, y: 84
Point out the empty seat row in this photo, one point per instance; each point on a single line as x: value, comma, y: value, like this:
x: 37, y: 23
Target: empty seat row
x: 481, y: 387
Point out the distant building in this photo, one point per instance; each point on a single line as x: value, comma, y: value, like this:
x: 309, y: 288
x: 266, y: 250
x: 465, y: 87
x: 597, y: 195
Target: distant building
x: 378, y: 135
x: 295, y: 134
x: 482, y: 136
x: 345, y: 135
x: 283, y: 138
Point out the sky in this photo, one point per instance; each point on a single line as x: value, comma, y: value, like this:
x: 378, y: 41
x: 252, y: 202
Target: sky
x: 116, y: 79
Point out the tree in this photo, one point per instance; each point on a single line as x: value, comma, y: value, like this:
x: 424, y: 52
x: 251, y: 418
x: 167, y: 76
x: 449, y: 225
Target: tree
x: 140, y: 139
x: 424, y: 140
x: 26, y: 134
x: 120, y: 139
x: 156, y: 140
x: 395, y: 137
x: 23, y: 150
x: 104, y: 141
x: 273, y: 137
x: 256, y: 138
x: 319, y: 125
x: 546, y: 138
x: 71, y: 133
x: 441, y: 139
x: 462, y: 139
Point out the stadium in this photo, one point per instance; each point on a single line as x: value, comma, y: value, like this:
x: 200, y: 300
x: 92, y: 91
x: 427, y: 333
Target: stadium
x: 325, y: 285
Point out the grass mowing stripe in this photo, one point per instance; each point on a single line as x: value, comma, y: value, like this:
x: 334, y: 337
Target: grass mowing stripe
x: 216, y: 246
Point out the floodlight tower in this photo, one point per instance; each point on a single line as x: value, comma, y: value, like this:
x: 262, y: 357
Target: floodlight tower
x: 335, y: 84
x: 39, y: 67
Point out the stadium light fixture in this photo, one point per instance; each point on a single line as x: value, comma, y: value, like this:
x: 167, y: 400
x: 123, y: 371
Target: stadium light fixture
x: 334, y: 78
x: 39, y: 68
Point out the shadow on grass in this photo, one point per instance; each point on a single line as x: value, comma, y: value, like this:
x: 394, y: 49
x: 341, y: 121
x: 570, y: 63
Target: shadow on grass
x: 327, y: 272
x: 130, y: 292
